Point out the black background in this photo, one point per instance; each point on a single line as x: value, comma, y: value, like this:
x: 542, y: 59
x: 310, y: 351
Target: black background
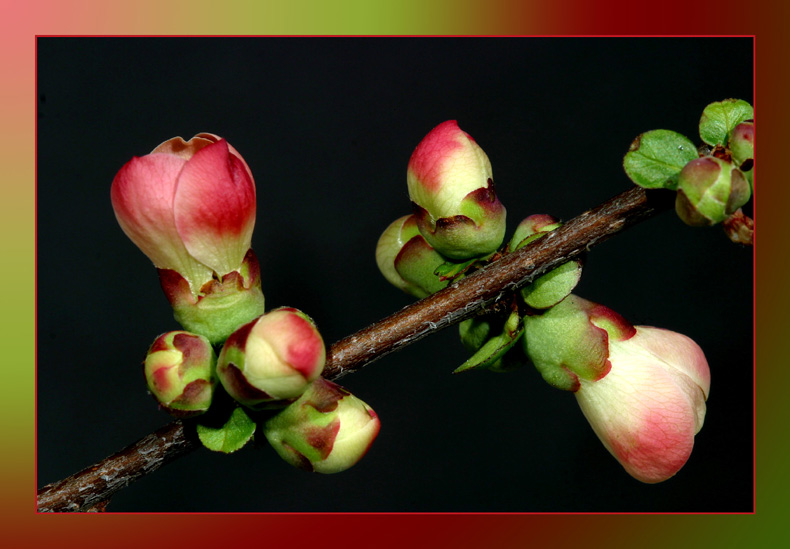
x: 327, y: 126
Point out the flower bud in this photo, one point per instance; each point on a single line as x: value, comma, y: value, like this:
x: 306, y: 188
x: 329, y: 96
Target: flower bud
x: 642, y: 389
x: 452, y: 192
x: 271, y: 359
x: 741, y: 143
x: 530, y: 228
x: 709, y: 190
x: 327, y: 430
x: 742, y: 149
x: 407, y: 261
x: 648, y: 408
x: 180, y: 373
x: 190, y: 207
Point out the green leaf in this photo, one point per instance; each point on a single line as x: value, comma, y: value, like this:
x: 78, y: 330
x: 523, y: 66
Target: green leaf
x: 720, y: 118
x: 232, y: 436
x: 496, y: 347
x: 656, y: 158
x: 552, y: 287
x: 474, y: 332
x: 451, y: 271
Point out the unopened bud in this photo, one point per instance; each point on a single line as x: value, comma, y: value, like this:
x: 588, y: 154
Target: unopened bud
x: 327, y: 430
x: 709, y: 190
x: 271, y: 359
x: 742, y: 143
x: 742, y: 149
x: 180, y: 373
x: 451, y: 187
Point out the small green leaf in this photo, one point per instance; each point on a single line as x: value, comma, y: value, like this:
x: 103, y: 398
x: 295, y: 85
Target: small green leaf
x: 451, y: 271
x: 720, y: 118
x: 552, y: 287
x: 496, y: 347
x: 232, y: 436
x: 526, y: 240
x: 474, y: 332
x: 656, y: 158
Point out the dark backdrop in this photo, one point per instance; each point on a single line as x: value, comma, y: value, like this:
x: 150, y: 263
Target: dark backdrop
x: 327, y: 126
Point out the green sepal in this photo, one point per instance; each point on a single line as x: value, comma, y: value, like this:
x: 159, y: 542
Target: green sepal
x: 655, y: 159
x: 416, y: 264
x: 720, y: 118
x: 496, y: 347
x: 564, y: 345
x: 230, y: 437
x: 554, y: 286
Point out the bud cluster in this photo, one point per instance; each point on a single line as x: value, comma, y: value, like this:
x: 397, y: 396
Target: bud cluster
x: 642, y: 389
x: 713, y: 184
x: 457, y: 219
x: 190, y: 207
x: 713, y: 188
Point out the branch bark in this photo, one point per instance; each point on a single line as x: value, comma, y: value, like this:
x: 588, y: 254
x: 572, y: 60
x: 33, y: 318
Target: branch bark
x: 91, y: 488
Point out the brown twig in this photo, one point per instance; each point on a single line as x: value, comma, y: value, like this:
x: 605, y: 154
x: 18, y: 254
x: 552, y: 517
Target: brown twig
x: 91, y: 488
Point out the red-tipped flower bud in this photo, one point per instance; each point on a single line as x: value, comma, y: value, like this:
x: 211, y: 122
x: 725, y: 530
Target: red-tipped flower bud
x: 180, y: 372
x: 742, y: 148
x: 271, y: 359
x: 642, y: 389
x: 741, y: 143
x: 327, y: 430
x: 451, y: 187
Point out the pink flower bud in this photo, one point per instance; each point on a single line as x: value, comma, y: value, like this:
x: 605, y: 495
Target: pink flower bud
x: 642, y: 389
x: 271, y: 359
x: 650, y: 405
x: 327, y: 430
x: 180, y: 372
x: 189, y: 206
x: 452, y: 191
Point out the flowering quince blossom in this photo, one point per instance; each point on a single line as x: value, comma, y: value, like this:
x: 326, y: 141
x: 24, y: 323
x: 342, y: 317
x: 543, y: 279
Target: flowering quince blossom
x: 452, y: 192
x: 642, y: 389
x: 190, y: 207
x: 650, y: 405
